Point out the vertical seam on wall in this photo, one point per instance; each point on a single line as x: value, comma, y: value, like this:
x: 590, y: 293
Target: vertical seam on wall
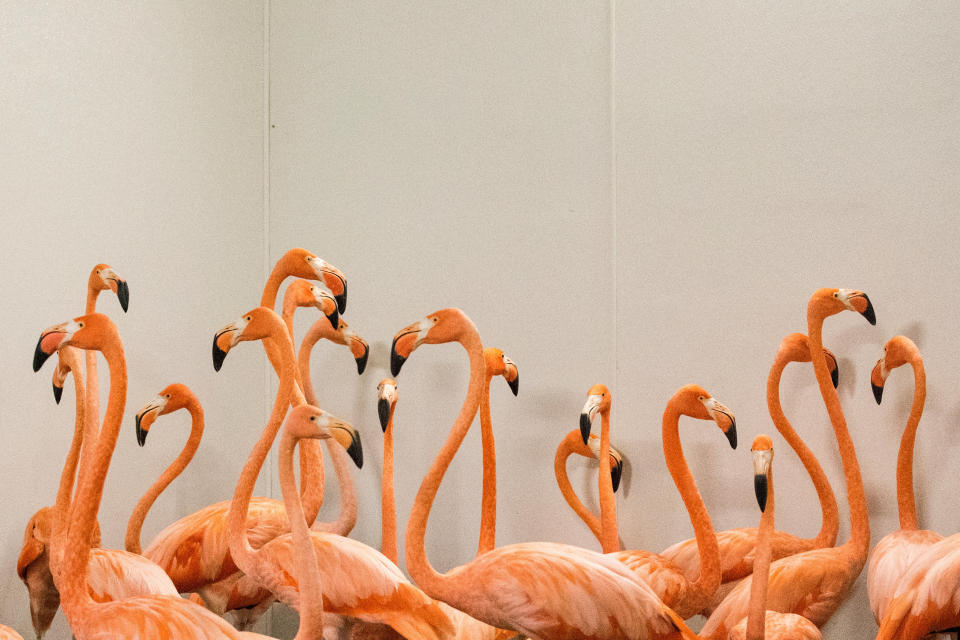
x: 613, y: 188
x: 266, y: 203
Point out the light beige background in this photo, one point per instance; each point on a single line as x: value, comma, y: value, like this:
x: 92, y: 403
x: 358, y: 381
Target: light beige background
x: 638, y: 194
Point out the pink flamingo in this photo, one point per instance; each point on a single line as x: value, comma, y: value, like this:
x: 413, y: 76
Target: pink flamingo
x: 543, y: 590
x: 814, y: 583
x: 897, y: 552
x: 737, y: 545
x: 571, y: 444
x: 686, y: 597
x: 359, y: 582
x: 153, y: 616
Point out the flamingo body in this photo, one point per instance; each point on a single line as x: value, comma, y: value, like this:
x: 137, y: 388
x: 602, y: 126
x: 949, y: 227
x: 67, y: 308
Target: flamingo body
x: 892, y: 558
x: 782, y: 626
x: 6, y: 633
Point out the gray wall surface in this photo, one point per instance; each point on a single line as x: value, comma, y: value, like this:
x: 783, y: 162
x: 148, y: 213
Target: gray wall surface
x: 643, y: 195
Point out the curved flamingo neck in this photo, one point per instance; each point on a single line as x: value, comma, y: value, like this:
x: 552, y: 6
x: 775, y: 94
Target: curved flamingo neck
x: 308, y: 572
x: 610, y: 540
x: 571, y: 444
x: 859, y: 520
x: 709, y: 579
x: 272, y: 287
x: 347, y: 517
x: 488, y: 502
x: 906, y: 501
x: 243, y: 554
x: 418, y: 565
x: 135, y: 524
x: 388, y: 503
x: 62, y: 509
x: 756, y: 610
x: 830, y: 513
x: 74, y: 595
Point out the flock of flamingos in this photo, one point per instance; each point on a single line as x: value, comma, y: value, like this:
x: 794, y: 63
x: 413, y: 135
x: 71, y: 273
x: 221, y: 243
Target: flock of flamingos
x: 244, y: 554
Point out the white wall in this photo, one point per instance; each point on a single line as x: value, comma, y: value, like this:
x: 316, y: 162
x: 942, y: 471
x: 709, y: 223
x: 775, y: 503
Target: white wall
x: 641, y: 195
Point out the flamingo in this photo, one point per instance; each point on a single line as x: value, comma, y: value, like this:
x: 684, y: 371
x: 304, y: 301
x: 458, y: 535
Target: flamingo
x: 6, y: 633
x: 571, y: 444
x: 760, y: 623
x: 737, y: 545
x: 896, y: 552
x: 686, y: 597
x: 193, y: 550
x: 496, y: 364
x: 814, y: 583
x: 543, y: 590
x: 151, y: 616
x: 359, y: 582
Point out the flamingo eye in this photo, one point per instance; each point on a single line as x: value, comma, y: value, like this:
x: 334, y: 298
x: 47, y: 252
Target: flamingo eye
x: 247, y: 318
x: 167, y: 396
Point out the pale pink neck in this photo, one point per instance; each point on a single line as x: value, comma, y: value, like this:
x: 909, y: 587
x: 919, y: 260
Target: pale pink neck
x: 309, y: 582
x: 347, y: 517
x: 830, y: 523
x: 241, y: 551
x: 757, y: 607
x: 62, y: 511
x: 488, y: 503
x: 135, y: 524
x: 610, y: 540
x: 433, y: 583
x: 573, y: 443
x: 859, y: 542
x: 388, y: 504
x: 906, y: 502
x: 709, y: 579
x: 73, y: 586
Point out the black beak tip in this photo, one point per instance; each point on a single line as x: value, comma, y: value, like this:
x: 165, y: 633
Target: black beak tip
x: 342, y: 299
x: 616, y: 471
x: 356, y: 451
x: 123, y: 294
x: 39, y: 356
x: 362, y: 361
x: 396, y: 362
x: 57, y: 393
x: 141, y: 433
x: 334, y: 318
x: 585, y: 425
x: 877, y: 392
x: 383, y: 411
x: 835, y: 376
x: 732, y: 435
x: 868, y: 313
x: 760, y: 488
x: 514, y: 385
x: 218, y: 356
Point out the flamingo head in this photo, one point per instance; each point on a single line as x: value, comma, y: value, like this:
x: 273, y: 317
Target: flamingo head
x: 59, y: 379
x: 301, y: 293
x: 599, y: 400
x: 300, y: 263
x: 827, y: 302
x: 498, y: 364
x: 91, y: 331
x: 696, y: 402
x: 307, y: 421
x: 255, y: 324
x: 796, y: 348
x: 173, y: 397
x: 386, y: 400
x: 616, y: 460
x: 358, y: 346
x: 762, y: 449
x: 898, y: 351
x: 103, y: 277
x: 446, y: 325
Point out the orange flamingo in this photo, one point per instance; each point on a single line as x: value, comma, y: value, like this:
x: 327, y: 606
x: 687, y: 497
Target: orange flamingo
x: 496, y: 364
x: 686, y: 597
x: 386, y: 403
x: 897, y: 552
x: 193, y: 550
x: 153, y: 616
x: 6, y: 633
x: 814, y: 583
x: 543, y: 590
x: 359, y: 582
x: 737, y: 545
x: 760, y: 623
x: 573, y: 444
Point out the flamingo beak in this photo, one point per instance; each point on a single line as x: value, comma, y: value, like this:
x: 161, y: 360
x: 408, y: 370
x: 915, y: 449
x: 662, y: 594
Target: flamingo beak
x: 362, y: 358
x: 408, y: 339
x: 50, y: 340
x: 724, y: 419
x: 224, y: 340
x: 616, y: 471
x: 123, y: 294
x: 512, y: 376
x: 146, y: 417
x: 859, y: 302
x: 342, y: 298
x: 834, y: 367
x: 586, y: 416
x: 350, y: 439
x: 383, y: 411
x: 57, y: 392
x: 761, y: 467
x: 877, y: 380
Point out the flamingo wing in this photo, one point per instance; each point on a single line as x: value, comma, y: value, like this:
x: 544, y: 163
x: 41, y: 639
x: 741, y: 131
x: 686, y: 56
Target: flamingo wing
x: 158, y: 617
x: 782, y: 626
x: 890, y: 561
x: 665, y: 578
x: 736, y: 552
x: 115, y: 575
